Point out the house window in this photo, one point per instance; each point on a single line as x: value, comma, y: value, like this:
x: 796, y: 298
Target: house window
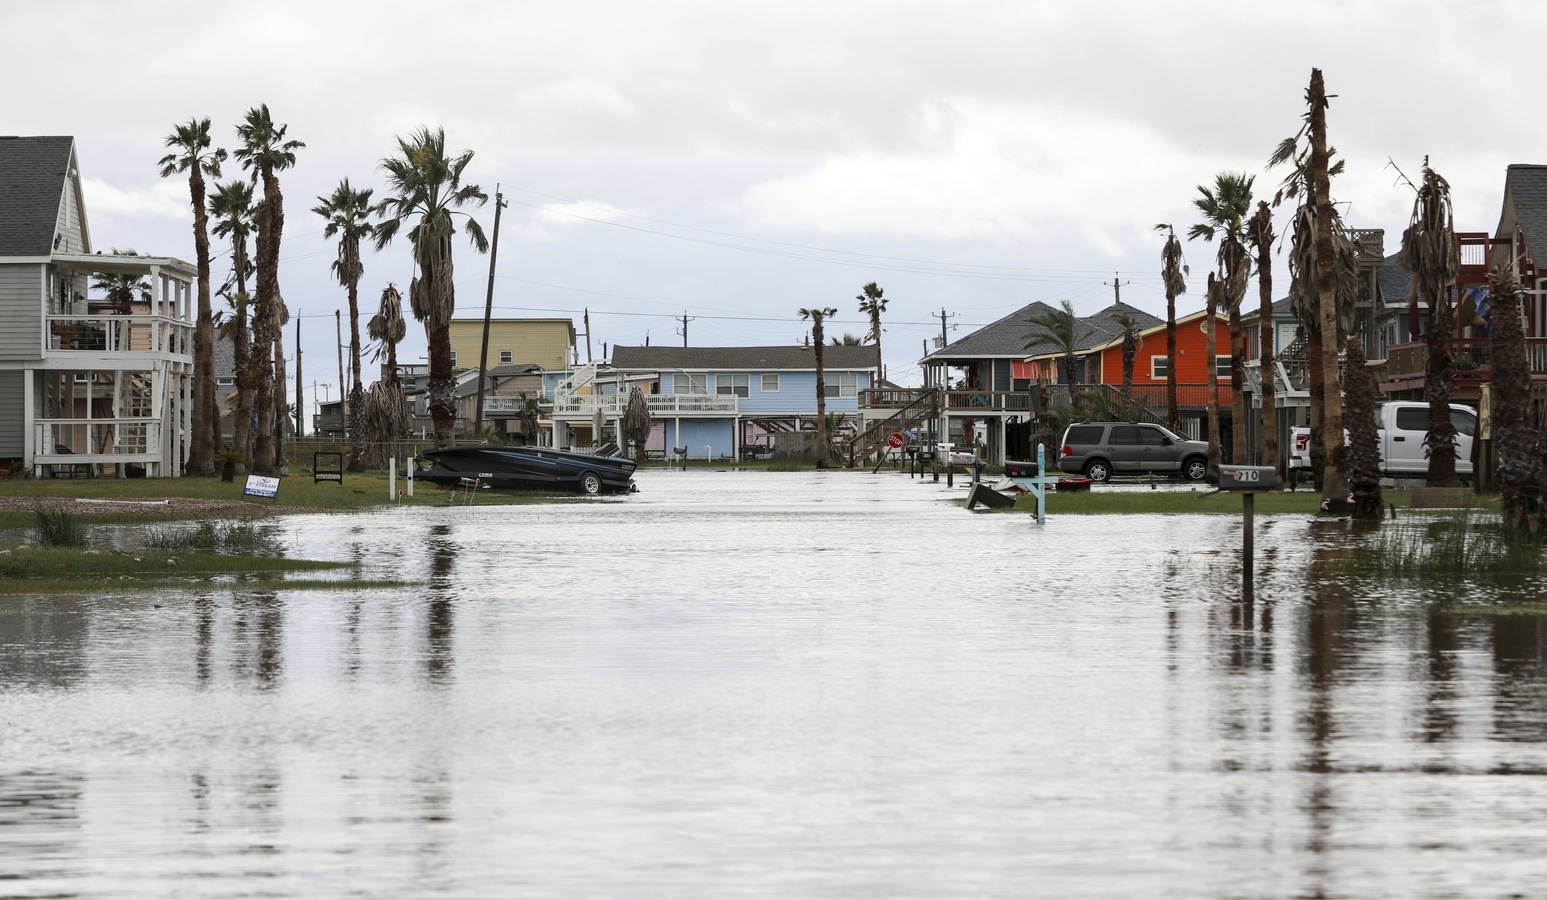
x: 683, y: 383
x: 225, y: 382
x: 506, y: 357
x: 732, y: 385
x: 1160, y: 367
x: 453, y: 359
x: 1221, y: 367
x: 841, y: 384
x: 771, y: 383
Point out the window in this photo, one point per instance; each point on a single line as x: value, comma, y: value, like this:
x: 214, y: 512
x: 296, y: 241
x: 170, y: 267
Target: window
x: 225, y: 382
x: 1150, y: 436
x: 1412, y: 418
x: 1083, y: 434
x: 683, y: 383
x: 1464, y: 423
x: 1160, y: 366
x: 1221, y: 367
x: 453, y: 359
x: 1124, y: 434
x: 732, y: 385
x: 841, y: 384
x: 506, y: 357
x: 771, y: 383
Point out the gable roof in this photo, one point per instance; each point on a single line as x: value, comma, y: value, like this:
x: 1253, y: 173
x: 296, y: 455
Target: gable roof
x: 1525, y: 191
x: 786, y: 357
x: 1004, y: 338
x: 32, y: 178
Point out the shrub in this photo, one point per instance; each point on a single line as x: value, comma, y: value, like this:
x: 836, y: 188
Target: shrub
x: 58, y: 527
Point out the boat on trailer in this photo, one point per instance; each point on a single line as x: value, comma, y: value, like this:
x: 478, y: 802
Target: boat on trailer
x: 604, y: 471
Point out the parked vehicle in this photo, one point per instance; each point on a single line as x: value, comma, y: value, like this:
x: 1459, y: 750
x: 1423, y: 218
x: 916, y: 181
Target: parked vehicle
x: 1401, y: 427
x: 1099, y: 450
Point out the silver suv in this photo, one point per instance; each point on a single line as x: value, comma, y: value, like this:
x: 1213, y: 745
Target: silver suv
x: 1099, y: 450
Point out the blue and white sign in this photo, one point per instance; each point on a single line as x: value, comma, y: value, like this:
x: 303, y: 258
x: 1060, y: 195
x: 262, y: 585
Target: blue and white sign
x: 261, y: 486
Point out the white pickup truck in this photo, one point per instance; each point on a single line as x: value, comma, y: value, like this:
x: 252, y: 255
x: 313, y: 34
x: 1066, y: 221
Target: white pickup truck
x: 1401, y: 427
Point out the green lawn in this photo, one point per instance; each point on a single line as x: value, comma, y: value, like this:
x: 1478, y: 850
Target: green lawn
x: 1097, y: 501
x: 58, y: 570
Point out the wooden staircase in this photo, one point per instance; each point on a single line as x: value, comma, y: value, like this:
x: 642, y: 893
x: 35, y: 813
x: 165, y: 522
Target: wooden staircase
x: 921, y: 409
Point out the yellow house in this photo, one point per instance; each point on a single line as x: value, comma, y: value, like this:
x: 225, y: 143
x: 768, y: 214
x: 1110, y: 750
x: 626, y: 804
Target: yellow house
x: 545, y: 342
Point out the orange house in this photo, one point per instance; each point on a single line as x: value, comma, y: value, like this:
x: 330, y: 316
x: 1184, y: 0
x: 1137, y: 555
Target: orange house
x: 1104, y: 362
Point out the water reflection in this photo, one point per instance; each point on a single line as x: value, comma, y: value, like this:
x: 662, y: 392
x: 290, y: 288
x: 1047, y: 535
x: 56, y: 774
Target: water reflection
x: 439, y: 611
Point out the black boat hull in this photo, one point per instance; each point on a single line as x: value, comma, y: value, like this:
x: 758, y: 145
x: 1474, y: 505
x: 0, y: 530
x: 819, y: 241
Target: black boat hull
x: 529, y: 468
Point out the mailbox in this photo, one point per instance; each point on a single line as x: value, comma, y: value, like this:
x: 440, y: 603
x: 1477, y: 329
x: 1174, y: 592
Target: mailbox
x: 1247, y: 478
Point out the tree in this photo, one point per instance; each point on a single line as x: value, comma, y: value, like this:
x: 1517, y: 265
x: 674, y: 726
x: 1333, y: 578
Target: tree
x: 848, y: 340
x: 1261, y: 237
x: 386, y: 412
x: 1516, y: 442
x: 1430, y: 252
x: 192, y: 154
x: 872, y: 302
x: 122, y: 290
x: 426, y: 186
x: 1130, y: 327
x: 347, y: 212
x: 1213, y: 295
x: 231, y: 207
x: 636, y: 422
x: 817, y: 317
x: 1225, y: 209
x: 264, y: 151
x: 1363, y: 443
x: 1313, y: 289
x: 1173, y: 272
x: 1060, y: 328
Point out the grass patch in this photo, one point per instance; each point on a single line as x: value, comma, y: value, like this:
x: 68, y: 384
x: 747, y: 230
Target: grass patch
x: 1099, y: 502
x: 57, y: 526
x: 52, y: 570
x: 1461, y: 545
x: 210, y: 537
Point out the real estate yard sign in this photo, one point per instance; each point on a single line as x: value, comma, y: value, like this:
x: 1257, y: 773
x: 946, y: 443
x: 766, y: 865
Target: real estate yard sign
x: 261, y: 486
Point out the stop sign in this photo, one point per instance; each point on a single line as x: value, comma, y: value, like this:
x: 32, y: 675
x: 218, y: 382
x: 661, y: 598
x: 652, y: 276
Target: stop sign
x: 894, y: 440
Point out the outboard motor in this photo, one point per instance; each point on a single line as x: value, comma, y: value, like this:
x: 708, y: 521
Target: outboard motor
x: 608, y: 449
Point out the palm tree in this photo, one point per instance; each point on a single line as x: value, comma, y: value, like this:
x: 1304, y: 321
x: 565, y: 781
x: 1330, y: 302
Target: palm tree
x: 1059, y: 327
x: 872, y: 303
x: 427, y: 186
x: 1261, y: 237
x: 348, y: 215
x: 636, y: 422
x: 192, y: 154
x: 1173, y: 272
x: 1430, y: 252
x: 265, y: 152
x: 122, y: 290
x: 1363, y: 444
x: 385, y: 411
x: 848, y: 340
x: 233, y: 326
x: 818, y: 316
x: 1515, y: 440
x: 1225, y: 209
x: 1130, y: 327
x: 232, y: 209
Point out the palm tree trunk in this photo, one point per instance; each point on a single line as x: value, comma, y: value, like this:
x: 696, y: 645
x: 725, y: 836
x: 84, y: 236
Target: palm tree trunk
x: 1334, y: 480
x: 821, y: 398
x: 1363, y: 443
x: 357, y: 442
x: 1173, y: 411
x: 270, y: 224
x: 1441, y: 440
x: 1516, y: 444
x: 1238, y: 454
x: 1210, y: 381
x: 1265, y: 335
x: 206, y: 414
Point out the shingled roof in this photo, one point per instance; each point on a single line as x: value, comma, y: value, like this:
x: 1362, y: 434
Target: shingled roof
x: 784, y: 357
x: 1005, y: 338
x: 1525, y: 189
x: 32, y: 179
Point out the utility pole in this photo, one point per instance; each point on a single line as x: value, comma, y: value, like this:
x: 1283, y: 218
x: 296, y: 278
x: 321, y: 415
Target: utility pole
x: 587, y: 319
x: 488, y: 310
x: 1117, y: 287
x: 343, y: 390
x: 300, y: 422
x: 943, y: 317
x: 685, y: 321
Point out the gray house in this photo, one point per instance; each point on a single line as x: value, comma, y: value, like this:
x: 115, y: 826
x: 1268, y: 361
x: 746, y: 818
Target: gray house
x: 88, y: 384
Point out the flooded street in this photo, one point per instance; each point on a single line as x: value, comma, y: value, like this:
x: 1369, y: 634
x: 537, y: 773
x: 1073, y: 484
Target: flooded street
x: 780, y: 684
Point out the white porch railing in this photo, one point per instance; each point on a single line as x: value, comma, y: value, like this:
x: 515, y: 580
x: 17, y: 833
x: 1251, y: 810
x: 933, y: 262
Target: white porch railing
x: 119, y: 334
x: 66, y: 440
x: 661, y: 405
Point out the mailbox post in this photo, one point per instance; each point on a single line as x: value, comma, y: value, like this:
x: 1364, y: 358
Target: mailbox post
x: 1247, y: 481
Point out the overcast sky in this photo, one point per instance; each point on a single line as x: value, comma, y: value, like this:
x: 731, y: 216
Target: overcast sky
x: 735, y: 162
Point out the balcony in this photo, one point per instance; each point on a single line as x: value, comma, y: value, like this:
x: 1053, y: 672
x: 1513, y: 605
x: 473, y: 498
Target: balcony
x: 662, y: 406
x: 100, y: 335
x: 1471, y: 363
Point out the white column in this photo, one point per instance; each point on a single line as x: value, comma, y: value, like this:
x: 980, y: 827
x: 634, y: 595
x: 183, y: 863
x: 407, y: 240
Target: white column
x: 29, y: 417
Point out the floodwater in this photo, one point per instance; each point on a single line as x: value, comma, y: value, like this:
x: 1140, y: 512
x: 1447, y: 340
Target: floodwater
x: 780, y: 685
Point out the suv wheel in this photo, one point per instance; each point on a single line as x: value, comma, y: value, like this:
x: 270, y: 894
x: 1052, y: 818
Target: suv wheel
x: 1195, y: 469
x: 1098, y: 470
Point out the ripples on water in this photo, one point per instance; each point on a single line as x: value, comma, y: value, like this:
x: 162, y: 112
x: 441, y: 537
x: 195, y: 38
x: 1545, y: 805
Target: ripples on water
x: 823, y: 684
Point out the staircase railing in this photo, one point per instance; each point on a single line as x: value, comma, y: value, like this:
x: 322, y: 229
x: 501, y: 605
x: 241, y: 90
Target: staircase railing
x: 918, y: 410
